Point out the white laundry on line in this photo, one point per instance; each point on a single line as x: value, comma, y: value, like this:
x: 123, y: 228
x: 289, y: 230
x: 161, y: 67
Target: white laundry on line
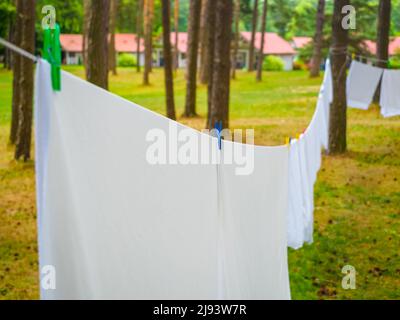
x: 296, y: 210
x: 255, y: 224
x: 304, y: 164
x: 116, y: 227
x: 390, y: 93
x: 362, y: 82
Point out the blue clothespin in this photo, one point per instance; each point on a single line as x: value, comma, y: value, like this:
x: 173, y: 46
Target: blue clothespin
x: 218, y: 127
x: 52, y: 53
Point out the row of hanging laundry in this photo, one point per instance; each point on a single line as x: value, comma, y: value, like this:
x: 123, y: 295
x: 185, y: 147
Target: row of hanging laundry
x: 305, y: 151
x: 304, y: 164
x: 363, y: 81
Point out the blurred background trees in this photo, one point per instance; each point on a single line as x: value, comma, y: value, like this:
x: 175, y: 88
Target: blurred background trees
x: 100, y: 20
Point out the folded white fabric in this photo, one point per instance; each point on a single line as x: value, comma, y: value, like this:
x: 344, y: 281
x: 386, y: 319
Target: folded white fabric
x: 115, y: 226
x: 362, y: 82
x: 390, y: 93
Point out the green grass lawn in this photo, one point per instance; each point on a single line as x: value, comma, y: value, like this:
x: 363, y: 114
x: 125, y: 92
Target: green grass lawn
x: 357, y: 196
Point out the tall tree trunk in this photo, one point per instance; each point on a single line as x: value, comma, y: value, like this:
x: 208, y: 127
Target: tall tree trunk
x: 148, y: 37
x: 25, y: 105
x: 338, y: 117
x: 176, y: 21
x: 261, y: 52
x: 192, y: 54
x: 151, y: 37
x: 253, y: 36
x: 222, y: 64
x: 86, y: 23
x: 138, y: 32
x: 237, y: 36
x: 169, y: 82
x: 318, y: 37
x: 203, y: 76
x: 8, y: 53
x: 112, y: 55
x: 211, y: 21
x: 97, y: 58
x: 16, y: 73
x: 382, y: 41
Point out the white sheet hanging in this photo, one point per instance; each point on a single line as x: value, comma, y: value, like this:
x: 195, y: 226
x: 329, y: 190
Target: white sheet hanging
x: 390, y: 93
x: 255, y: 227
x: 362, y: 82
x: 304, y: 164
x: 295, y: 219
x: 324, y: 102
x: 116, y: 227
x: 113, y: 225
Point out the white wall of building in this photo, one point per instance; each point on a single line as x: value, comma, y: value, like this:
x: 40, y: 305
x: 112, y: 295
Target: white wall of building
x: 158, y: 59
x: 288, y: 61
x: 73, y: 58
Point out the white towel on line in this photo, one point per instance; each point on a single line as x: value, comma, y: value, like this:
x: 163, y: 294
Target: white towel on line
x: 362, y: 82
x: 390, y: 93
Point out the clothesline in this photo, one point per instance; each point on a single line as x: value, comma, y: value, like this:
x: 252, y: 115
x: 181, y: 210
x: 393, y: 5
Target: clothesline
x: 362, y: 83
x: 370, y: 58
x: 19, y: 50
x: 344, y: 51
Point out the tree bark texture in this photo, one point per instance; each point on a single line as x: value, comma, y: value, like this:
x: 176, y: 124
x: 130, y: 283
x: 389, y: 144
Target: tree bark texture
x: 222, y: 64
x: 16, y: 73
x: 112, y: 55
x: 169, y: 83
x: 261, y: 52
x: 97, y: 59
x: 193, y: 47
x: 318, y: 37
x: 338, y: 115
x: 25, y: 103
x: 253, y: 36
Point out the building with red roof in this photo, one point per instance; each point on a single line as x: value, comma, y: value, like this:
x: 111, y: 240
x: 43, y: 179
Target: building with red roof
x: 71, y: 46
x: 182, y: 48
x: 394, y: 46
x: 273, y: 45
x: 300, y: 42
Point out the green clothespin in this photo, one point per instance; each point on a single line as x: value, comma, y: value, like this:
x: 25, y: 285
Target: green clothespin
x: 52, y: 53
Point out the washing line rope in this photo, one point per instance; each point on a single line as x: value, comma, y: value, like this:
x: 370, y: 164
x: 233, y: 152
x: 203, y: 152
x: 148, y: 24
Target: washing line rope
x: 19, y: 50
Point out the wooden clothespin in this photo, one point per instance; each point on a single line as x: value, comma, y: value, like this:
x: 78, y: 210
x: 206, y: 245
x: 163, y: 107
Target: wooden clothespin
x: 52, y: 53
